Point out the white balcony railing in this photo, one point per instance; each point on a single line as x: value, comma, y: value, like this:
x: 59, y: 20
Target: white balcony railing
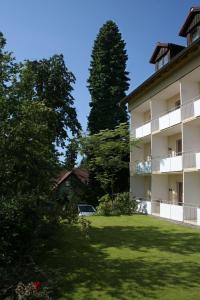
x: 170, y: 119
x: 143, y: 130
x: 191, y: 160
x: 171, y: 211
x: 171, y: 164
x: 167, y: 164
x: 191, y: 108
x: 167, y: 119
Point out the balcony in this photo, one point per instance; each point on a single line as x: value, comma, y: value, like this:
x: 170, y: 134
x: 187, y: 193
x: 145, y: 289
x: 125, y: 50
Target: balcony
x: 191, y: 109
x: 167, y: 120
x: 170, y: 119
x: 171, y: 211
x: 143, y: 130
x: 168, y: 164
x: 143, y: 167
x: 191, y: 160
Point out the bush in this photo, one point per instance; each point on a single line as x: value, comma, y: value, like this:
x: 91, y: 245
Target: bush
x: 124, y: 205
x: 120, y: 204
x: 105, y: 206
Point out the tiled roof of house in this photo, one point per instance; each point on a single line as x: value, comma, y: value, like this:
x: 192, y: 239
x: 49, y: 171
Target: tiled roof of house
x: 81, y: 174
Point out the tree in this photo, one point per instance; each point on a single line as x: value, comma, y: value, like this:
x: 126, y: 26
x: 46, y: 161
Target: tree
x: 71, y: 154
x: 49, y: 81
x: 36, y: 112
x: 109, y: 155
x: 108, y: 80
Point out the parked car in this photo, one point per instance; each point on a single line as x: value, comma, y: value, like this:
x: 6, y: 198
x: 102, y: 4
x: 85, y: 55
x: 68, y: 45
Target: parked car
x: 86, y: 210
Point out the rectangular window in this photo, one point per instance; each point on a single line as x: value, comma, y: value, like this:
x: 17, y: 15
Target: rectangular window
x: 162, y: 61
x: 179, y: 147
x: 195, y: 33
x: 179, y: 188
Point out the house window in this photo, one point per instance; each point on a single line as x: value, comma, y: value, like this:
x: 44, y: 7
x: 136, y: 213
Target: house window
x: 179, y: 188
x: 179, y: 147
x: 195, y: 33
x: 162, y: 61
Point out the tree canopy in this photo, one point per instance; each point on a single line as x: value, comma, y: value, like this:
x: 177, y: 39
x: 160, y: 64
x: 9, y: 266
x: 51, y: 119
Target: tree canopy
x: 108, y: 151
x: 108, y: 80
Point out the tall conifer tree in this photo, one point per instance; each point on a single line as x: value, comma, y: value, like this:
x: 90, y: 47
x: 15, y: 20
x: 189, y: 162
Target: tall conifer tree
x: 108, y: 80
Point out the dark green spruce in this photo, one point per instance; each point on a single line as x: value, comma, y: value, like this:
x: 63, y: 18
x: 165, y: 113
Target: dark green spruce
x: 108, y: 80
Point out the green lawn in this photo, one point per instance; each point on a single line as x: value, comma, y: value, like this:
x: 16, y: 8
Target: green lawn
x: 134, y: 257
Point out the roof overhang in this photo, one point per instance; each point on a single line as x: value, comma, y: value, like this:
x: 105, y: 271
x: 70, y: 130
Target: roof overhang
x: 180, y: 58
x: 193, y: 11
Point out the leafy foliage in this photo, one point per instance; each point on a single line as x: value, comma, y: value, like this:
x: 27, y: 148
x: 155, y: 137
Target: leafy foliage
x: 119, y: 204
x: 108, y: 157
x: 36, y: 113
x: 108, y: 80
x: 71, y: 154
x: 49, y: 81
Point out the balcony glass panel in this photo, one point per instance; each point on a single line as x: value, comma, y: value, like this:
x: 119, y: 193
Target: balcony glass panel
x: 171, y: 164
x: 191, y: 160
x: 171, y: 211
x: 170, y: 119
x: 197, y: 108
x: 143, y: 130
x: 143, y: 167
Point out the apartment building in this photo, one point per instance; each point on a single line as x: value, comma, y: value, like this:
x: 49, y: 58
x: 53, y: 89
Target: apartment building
x: 165, y: 117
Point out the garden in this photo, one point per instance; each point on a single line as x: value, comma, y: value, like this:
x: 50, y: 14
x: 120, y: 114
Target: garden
x: 124, y: 257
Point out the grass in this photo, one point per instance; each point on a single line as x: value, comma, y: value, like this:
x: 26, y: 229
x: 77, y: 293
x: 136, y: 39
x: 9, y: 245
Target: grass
x: 127, y: 257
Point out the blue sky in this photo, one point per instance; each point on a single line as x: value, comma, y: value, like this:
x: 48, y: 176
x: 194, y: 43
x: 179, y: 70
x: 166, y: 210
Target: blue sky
x: 37, y: 29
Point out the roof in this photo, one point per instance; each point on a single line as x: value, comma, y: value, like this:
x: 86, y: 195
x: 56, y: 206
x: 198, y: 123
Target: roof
x: 183, y: 55
x: 193, y: 11
x: 81, y: 174
x: 164, y: 45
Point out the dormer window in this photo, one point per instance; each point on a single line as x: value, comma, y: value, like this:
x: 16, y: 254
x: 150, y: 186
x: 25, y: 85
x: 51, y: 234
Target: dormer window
x: 162, y: 61
x: 163, y: 54
x: 191, y: 27
x: 195, y: 33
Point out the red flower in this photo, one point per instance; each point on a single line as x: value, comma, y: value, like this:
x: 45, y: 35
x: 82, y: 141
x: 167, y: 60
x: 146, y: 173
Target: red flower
x: 37, y: 285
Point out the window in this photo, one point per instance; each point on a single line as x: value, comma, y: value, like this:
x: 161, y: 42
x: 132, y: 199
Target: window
x: 162, y: 61
x: 195, y: 33
x: 179, y: 188
x: 179, y: 147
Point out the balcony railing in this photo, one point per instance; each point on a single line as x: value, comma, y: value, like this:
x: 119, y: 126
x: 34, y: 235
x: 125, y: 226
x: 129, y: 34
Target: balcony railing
x: 167, y: 119
x: 143, y: 130
x: 143, y: 167
x: 171, y: 211
x: 191, y: 160
x: 191, y: 108
x: 167, y: 164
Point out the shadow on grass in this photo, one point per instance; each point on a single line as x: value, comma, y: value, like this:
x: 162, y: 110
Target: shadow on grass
x: 78, y: 263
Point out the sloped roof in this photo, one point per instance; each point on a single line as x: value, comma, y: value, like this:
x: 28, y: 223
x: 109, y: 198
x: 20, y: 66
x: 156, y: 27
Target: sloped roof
x: 164, y: 45
x: 81, y: 174
x: 188, y: 20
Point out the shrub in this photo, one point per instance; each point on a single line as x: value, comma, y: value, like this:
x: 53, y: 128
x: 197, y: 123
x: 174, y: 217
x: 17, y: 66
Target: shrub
x: 105, y: 205
x: 120, y: 204
x: 85, y: 226
x: 123, y: 204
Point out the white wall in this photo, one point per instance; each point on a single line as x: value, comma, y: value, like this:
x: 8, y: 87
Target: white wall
x: 159, y: 186
x: 189, y: 89
x: 192, y: 188
x: 191, y: 138
x: 191, y: 195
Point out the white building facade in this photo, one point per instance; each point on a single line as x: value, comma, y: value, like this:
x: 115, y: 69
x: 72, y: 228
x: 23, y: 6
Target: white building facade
x: 165, y: 117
